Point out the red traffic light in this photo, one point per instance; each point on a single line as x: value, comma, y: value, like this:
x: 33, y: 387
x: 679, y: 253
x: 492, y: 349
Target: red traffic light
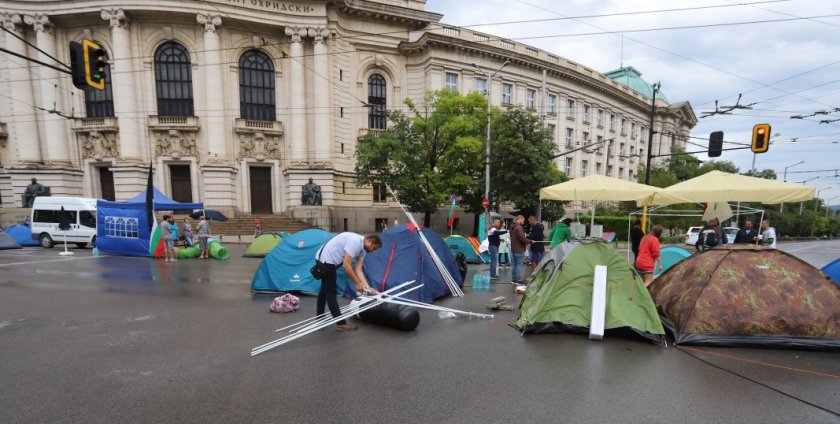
x: 760, y: 138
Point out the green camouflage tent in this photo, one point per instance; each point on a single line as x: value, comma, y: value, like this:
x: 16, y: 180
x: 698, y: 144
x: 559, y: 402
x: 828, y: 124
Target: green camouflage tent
x: 746, y: 295
x: 262, y: 245
x: 560, y: 297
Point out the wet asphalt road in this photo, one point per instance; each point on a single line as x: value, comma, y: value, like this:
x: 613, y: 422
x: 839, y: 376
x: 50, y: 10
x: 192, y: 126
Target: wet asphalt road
x: 115, y: 339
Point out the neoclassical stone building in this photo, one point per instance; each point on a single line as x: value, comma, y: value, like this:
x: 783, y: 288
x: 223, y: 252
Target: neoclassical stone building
x: 237, y: 103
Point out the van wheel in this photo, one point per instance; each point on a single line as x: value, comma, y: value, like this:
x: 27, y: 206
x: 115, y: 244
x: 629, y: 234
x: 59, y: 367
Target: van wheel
x: 46, y: 241
x: 81, y: 245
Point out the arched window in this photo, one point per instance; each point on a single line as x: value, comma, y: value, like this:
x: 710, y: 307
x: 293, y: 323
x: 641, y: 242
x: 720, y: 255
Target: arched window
x: 173, y: 80
x: 100, y: 103
x: 376, y: 100
x: 256, y: 86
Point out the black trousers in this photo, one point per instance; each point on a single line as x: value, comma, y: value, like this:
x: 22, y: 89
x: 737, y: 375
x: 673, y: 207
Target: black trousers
x: 327, y: 294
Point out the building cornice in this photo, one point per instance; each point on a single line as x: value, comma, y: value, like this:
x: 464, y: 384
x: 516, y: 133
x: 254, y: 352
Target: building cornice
x: 413, y: 18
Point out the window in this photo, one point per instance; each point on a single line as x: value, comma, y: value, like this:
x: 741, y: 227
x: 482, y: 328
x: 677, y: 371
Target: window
x: 552, y: 129
x: 630, y: 175
x: 530, y: 98
x: 376, y: 101
x: 507, y: 91
x: 632, y: 130
x: 621, y: 149
x: 380, y: 193
x: 256, y: 86
x: 612, y: 122
x: 583, y: 165
x: 586, y: 113
x: 641, y: 154
x: 87, y: 219
x: 597, y: 167
x: 451, y: 81
x: 122, y: 227
x: 570, y: 135
x: 570, y: 109
x: 600, y: 143
x: 609, y: 170
x: 568, y: 166
x: 632, y: 151
x: 480, y: 85
x: 600, y: 118
x: 623, y: 126
x: 100, y: 103
x: 173, y: 80
x: 620, y: 172
x: 552, y: 103
x: 641, y: 132
x: 585, y: 138
x: 52, y: 216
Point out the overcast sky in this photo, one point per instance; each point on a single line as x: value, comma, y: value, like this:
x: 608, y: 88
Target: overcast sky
x: 784, y: 56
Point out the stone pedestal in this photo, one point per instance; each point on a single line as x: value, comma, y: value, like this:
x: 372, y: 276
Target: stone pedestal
x: 317, y: 216
x: 61, y: 182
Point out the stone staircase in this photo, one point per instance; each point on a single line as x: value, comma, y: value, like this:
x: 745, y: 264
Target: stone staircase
x: 244, y: 225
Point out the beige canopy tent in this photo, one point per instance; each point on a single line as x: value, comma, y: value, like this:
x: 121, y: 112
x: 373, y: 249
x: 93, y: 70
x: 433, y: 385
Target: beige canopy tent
x: 598, y: 187
x: 718, y: 186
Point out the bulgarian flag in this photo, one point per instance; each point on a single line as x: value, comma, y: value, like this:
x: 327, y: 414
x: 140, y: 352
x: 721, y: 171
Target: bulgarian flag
x: 452, y: 211
x: 156, y: 244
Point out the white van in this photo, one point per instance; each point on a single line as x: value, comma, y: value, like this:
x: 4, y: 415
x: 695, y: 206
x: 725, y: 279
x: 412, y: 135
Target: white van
x: 45, y: 215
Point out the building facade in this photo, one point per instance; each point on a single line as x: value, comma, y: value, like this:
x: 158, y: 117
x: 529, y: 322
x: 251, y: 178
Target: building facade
x: 238, y: 103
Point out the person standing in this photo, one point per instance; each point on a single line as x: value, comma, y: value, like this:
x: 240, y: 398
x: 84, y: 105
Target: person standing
x: 636, y: 235
x: 518, y: 244
x: 560, y: 233
x: 504, y: 248
x: 711, y: 235
x: 343, y: 250
x: 203, y: 232
x: 649, y: 254
x: 536, y: 235
x: 768, y: 234
x: 747, y: 234
x: 493, y: 242
x: 187, y: 232
x: 257, y: 229
x: 168, y: 239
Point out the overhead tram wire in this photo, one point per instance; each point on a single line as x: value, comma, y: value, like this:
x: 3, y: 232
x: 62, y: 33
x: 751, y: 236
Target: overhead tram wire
x: 655, y: 47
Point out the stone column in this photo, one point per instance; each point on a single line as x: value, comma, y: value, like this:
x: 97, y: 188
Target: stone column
x: 296, y: 142
x: 55, y: 149
x: 214, y: 124
x: 24, y: 143
x: 122, y: 86
x: 323, y: 112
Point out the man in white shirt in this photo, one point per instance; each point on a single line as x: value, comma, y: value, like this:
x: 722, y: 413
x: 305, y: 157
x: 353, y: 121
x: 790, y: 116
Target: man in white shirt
x: 768, y: 234
x: 342, y: 250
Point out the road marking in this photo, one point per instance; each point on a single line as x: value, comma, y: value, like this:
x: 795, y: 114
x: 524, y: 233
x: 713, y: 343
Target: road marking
x: 40, y: 262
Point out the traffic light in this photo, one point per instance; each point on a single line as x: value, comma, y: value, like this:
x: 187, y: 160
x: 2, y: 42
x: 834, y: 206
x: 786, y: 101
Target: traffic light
x: 87, y: 63
x: 715, y: 144
x: 760, y: 138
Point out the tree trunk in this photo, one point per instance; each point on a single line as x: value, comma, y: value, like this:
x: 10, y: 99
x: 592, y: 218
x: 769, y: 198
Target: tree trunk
x: 427, y: 219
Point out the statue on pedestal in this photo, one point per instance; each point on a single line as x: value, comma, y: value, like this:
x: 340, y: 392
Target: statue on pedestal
x: 33, y: 190
x: 311, y: 194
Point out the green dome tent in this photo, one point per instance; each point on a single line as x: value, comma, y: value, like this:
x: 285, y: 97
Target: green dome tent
x: 560, y: 297
x: 262, y: 245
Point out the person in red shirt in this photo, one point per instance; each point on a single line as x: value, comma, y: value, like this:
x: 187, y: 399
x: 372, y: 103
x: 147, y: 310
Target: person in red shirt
x: 649, y: 254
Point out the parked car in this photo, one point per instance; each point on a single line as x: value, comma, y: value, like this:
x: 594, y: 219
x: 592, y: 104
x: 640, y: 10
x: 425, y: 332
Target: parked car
x: 691, y: 235
x: 693, y: 232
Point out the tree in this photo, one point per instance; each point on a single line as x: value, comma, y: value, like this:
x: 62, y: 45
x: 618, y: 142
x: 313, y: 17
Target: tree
x: 718, y: 165
x: 429, y: 153
x: 521, y: 162
x: 683, y: 166
x: 767, y: 174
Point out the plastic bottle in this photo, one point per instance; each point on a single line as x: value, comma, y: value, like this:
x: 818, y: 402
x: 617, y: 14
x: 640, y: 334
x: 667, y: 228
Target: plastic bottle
x: 486, y: 278
x: 477, y: 282
x: 95, y: 252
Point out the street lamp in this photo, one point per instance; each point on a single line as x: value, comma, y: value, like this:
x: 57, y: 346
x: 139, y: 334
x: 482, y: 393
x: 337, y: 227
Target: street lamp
x: 656, y: 88
x: 487, y: 151
x: 817, y: 198
x: 784, y: 178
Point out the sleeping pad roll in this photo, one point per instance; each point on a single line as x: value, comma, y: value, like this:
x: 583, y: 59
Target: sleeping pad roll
x: 400, y: 317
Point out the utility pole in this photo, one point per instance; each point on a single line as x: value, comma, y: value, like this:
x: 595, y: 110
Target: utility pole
x: 650, y: 135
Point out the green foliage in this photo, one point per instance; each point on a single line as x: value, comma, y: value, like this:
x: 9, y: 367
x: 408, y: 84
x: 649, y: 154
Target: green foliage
x: 521, y: 148
x: 717, y: 165
x: 429, y: 153
x: 767, y: 174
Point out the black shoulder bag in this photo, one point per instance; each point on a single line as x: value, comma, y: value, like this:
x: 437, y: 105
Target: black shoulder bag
x: 320, y: 269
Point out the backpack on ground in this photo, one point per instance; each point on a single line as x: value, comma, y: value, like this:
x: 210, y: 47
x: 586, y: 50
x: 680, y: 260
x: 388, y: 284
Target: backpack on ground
x: 286, y: 303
